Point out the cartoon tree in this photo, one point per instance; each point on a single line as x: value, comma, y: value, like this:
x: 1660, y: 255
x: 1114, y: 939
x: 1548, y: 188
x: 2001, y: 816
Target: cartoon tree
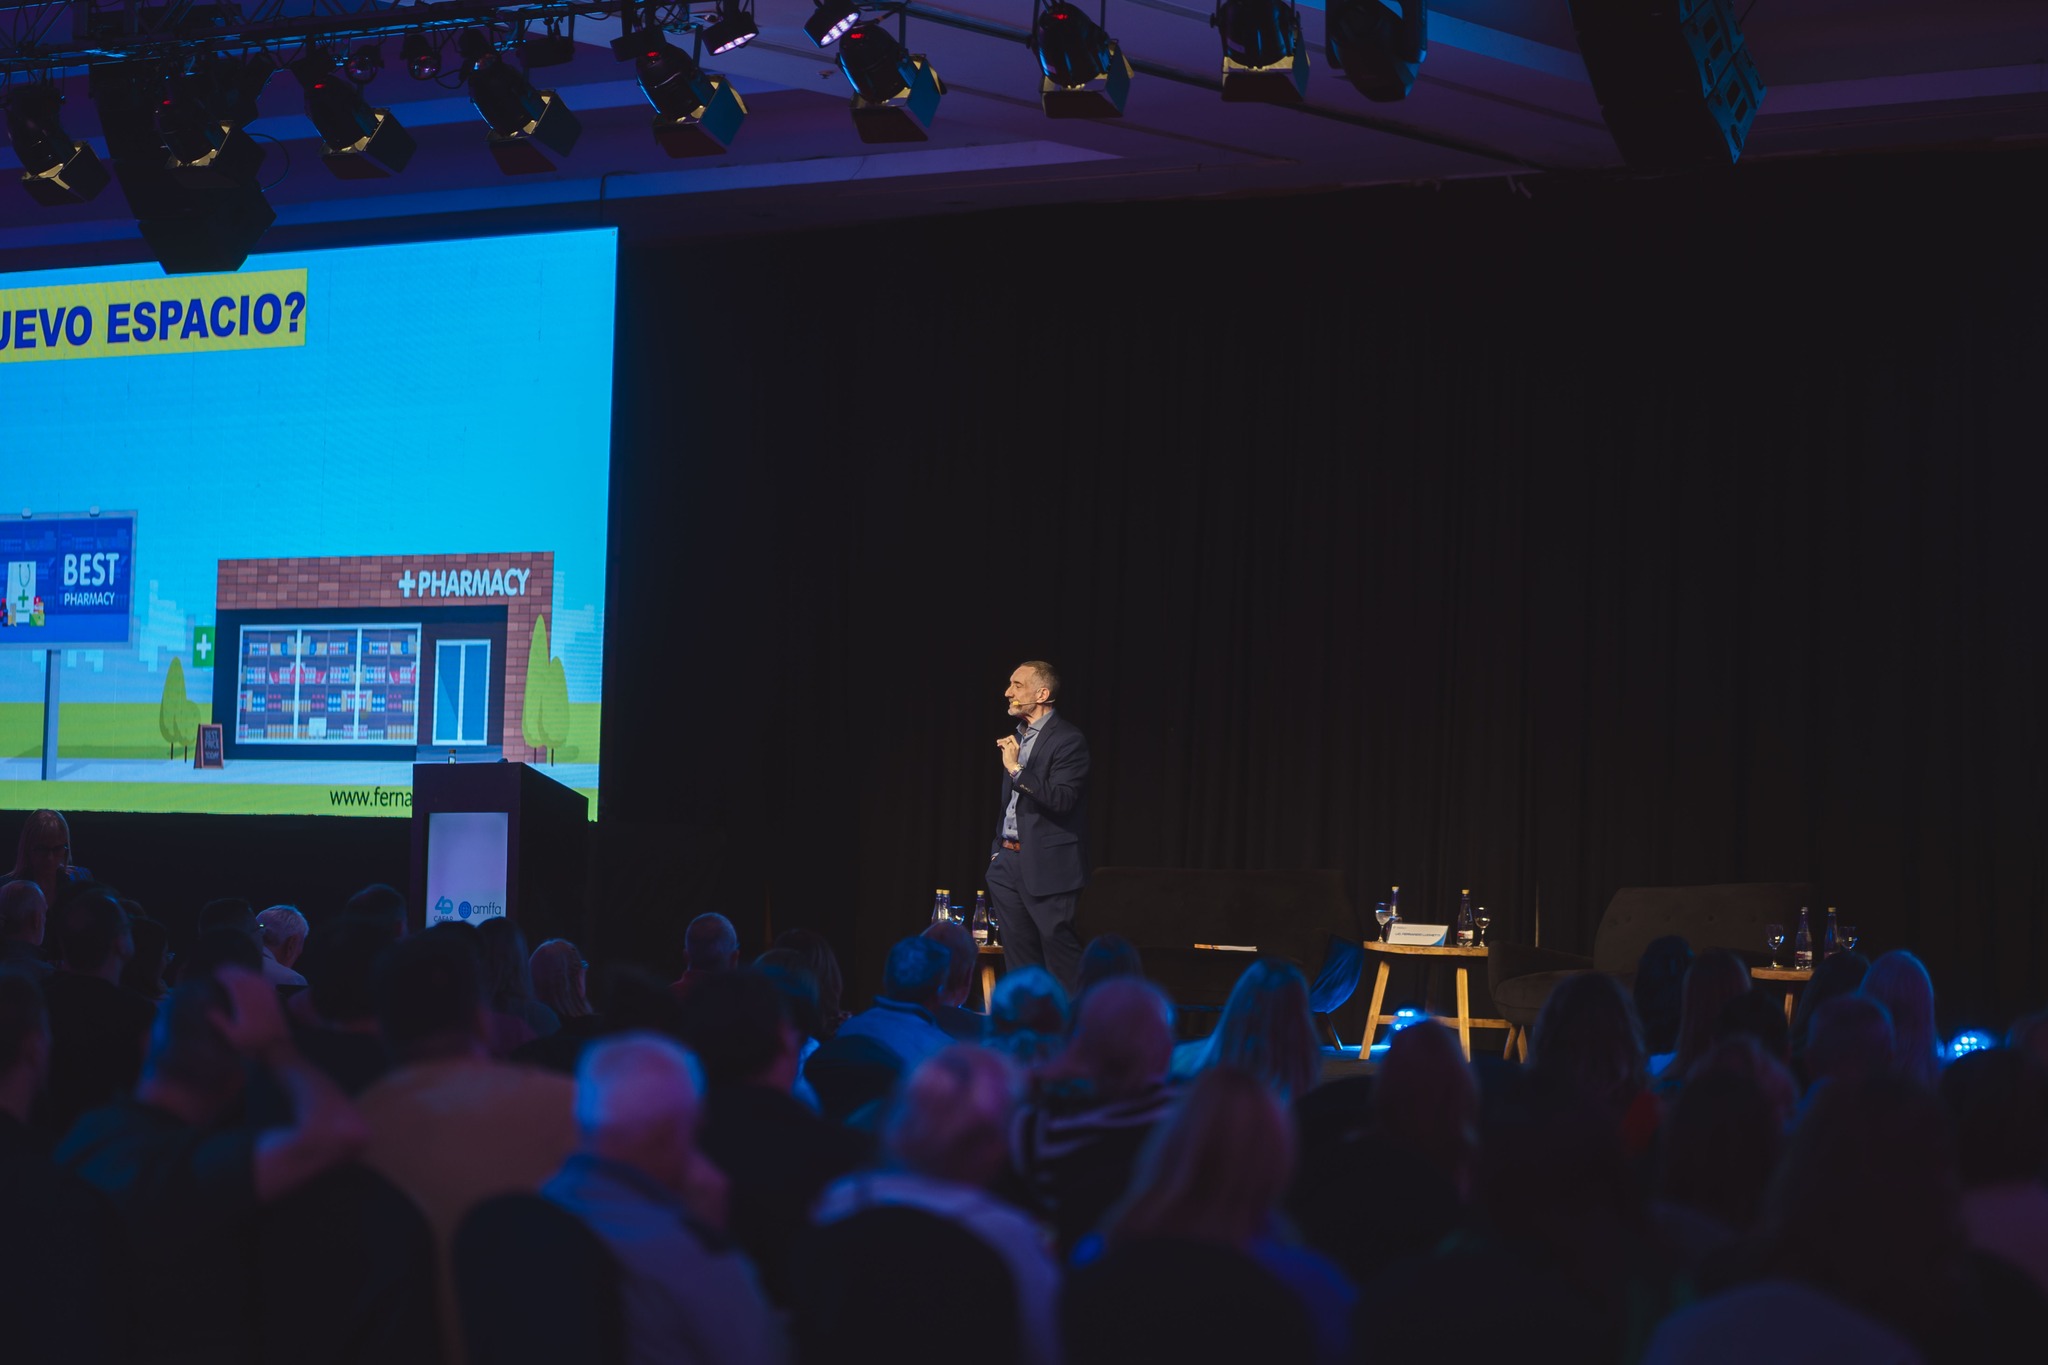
x: 555, y: 714
x: 174, y: 712
x: 531, y: 725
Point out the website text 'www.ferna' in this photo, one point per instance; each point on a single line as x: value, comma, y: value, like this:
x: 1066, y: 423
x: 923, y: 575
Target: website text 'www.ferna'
x: 370, y: 797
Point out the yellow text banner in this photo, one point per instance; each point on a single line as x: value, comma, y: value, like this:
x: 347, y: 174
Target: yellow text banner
x: 186, y: 313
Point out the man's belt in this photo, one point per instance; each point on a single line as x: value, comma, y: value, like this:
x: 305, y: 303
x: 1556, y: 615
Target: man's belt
x: 1013, y: 846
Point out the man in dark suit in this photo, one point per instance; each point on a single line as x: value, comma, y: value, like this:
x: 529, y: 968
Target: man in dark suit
x: 1039, y: 860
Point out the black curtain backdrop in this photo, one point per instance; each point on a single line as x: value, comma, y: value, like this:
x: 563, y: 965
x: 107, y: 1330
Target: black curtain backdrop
x: 1623, y: 533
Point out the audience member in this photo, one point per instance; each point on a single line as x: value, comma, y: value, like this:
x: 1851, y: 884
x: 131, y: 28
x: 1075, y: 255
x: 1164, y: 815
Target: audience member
x: 508, y: 983
x: 1839, y: 975
x: 901, y: 1017
x: 824, y: 965
x: 1586, y: 1051
x: 1757, y: 1013
x: 1998, y: 1102
x: 1265, y: 1030
x: 1899, y: 982
x: 230, y: 912
x: 448, y: 1125
x: 710, y: 944
x: 946, y: 1146
x: 1075, y: 1145
x: 789, y: 971
x: 949, y: 1012
x: 1028, y: 1016
x: 1106, y: 956
x: 1214, y: 1173
x: 341, y: 1037
x: 1715, y: 977
x: 63, y: 1252
x: 43, y: 856
x: 637, y: 1179
x: 24, y: 914
x: 220, y: 948
x: 1848, y: 1039
x: 97, y: 1029
x: 1660, y: 996
x: 379, y: 901
x: 775, y: 1150
x: 144, y: 974
x: 283, y: 935
x: 188, y: 1185
x: 1719, y: 1145
x: 558, y: 972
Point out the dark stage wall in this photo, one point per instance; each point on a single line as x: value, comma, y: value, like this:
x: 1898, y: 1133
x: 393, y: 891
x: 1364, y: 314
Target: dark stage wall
x: 1678, y: 531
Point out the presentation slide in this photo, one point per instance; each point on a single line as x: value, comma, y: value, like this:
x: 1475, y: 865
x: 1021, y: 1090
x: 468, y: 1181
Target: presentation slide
x: 271, y: 538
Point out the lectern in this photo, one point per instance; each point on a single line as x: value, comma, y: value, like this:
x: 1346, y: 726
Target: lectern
x: 492, y: 839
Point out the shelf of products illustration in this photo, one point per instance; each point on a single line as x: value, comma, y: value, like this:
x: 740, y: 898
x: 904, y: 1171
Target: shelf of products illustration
x: 329, y: 684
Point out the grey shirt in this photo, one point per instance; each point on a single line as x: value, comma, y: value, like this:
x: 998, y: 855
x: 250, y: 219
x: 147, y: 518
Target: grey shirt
x: 1027, y: 736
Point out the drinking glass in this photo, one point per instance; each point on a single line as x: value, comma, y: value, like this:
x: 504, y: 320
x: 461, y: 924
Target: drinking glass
x: 1482, y: 921
x: 1847, y: 938
x: 1774, y: 934
x: 1382, y: 914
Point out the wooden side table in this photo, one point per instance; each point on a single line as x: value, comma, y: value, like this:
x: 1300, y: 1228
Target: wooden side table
x: 1793, y: 979
x: 1463, y: 1019
x: 988, y: 956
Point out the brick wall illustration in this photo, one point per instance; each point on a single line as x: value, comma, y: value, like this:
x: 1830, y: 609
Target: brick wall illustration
x: 396, y: 581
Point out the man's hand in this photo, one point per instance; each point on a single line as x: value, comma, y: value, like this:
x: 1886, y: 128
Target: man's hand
x: 257, y: 1027
x: 1008, y: 745
x: 706, y: 1192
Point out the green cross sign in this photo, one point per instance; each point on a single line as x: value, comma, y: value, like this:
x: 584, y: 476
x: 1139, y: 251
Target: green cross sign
x: 202, y: 646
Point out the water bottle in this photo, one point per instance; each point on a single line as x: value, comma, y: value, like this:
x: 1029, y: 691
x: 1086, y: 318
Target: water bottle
x: 1465, y: 934
x: 1828, y: 945
x: 1394, y: 904
x: 980, y: 919
x: 942, y: 906
x: 1802, y: 945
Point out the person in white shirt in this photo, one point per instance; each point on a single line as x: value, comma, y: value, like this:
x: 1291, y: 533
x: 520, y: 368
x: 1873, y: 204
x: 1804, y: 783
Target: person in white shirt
x: 284, y: 938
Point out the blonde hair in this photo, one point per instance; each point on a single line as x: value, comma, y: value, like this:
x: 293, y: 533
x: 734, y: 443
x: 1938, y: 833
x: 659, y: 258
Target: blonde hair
x: 1266, y: 1029
x: 1215, y: 1170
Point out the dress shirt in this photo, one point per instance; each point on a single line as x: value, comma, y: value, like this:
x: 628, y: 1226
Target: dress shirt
x: 1027, y: 735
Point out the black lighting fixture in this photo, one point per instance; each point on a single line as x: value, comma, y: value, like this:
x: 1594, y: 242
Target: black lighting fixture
x: 362, y: 143
x: 56, y: 168
x: 830, y: 20
x: 551, y: 48
x: 522, y: 120
x: 202, y: 116
x: 896, y: 93
x: 421, y: 55
x: 1264, y: 59
x: 364, y: 63
x: 696, y: 112
x: 732, y: 28
x: 1083, y: 73
x: 1378, y: 46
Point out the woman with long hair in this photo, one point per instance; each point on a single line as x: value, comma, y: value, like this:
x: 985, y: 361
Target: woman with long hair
x: 43, y: 856
x: 1265, y: 1030
x: 1899, y: 981
x: 1715, y: 977
x: 824, y: 965
x: 560, y: 979
x: 507, y: 976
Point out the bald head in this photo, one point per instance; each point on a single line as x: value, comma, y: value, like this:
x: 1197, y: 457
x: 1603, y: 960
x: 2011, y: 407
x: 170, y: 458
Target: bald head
x: 636, y: 1103
x: 711, y: 944
x: 1123, y: 1039
x: 23, y: 912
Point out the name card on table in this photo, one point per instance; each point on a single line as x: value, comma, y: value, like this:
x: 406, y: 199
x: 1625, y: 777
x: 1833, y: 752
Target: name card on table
x: 1419, y: 935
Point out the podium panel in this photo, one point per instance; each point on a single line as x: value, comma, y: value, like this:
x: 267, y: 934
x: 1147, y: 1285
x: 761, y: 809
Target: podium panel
x: 491, y: 839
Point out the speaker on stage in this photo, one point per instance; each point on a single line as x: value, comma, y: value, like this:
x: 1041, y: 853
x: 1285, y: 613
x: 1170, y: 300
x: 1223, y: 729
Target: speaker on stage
x: 1674, y: 79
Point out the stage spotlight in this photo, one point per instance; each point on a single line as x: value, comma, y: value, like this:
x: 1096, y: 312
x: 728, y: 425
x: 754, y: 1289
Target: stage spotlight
x: 200, y: 120
x: 362, y: 143
x: 522, y: 119
x: 896, y: 93
x: 55, y: 167
x: 696, y: 113
x: 1264, y: 60
x: 551, y: 48
x: 1379, y: 51
x: 364, y: 64
x: 830, y: 20
x: 422, y: 55
x: 733, y: 29
x: 1084, y: 73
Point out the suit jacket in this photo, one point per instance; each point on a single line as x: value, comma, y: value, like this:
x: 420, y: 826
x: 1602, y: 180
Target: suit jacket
x: 1052, y: 811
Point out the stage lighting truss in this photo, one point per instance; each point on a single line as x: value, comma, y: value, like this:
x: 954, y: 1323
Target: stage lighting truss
x: 1379, y: 50
x: 1264, y: 59
x: 525, y: 123
x: 361, y: 143
x: 696, y: 112
x: 202, y: 119
x: 56, y: 168
x: 1083, y: 73
x: 896, y: 92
